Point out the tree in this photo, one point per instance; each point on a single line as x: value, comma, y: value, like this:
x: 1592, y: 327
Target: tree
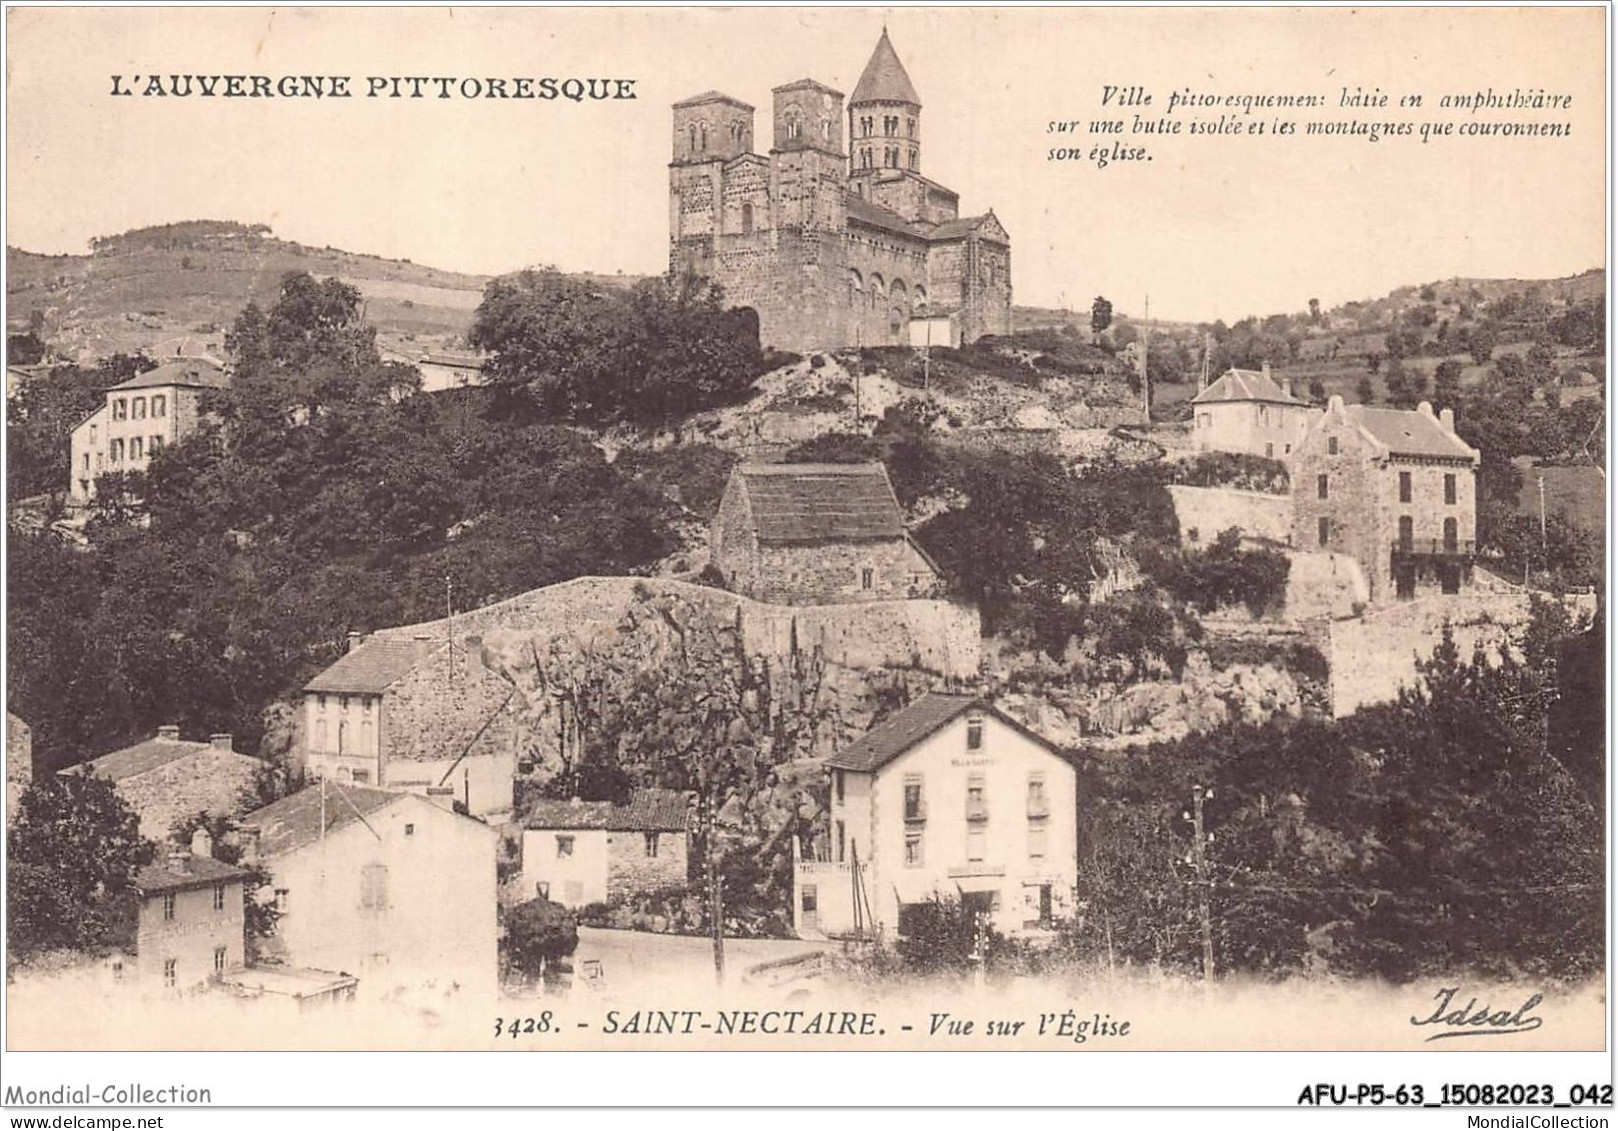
x: 1365, y: 392
x: 569, y: 348
x: 1317, y: 390
x: 537, y: 934
x: 1100, y: 315
x: 1481, y: 343
x: 40, y: 420
x: 259, y: 916
x: 1447, y: 383
x: 1314, y: 311
x: 72, y: 856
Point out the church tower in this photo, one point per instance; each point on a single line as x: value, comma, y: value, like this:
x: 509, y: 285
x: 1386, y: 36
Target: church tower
x: 884, y: 115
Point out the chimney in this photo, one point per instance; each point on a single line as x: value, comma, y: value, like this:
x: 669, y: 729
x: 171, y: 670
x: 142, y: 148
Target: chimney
x: 1265, y: 369
x: 201, y: 843
x: 1446, y: 418
x: 1425, y: 408
x: 169, y: 733
x: 1286, y: 385
x: 355, y: 639
x: 221, y: 742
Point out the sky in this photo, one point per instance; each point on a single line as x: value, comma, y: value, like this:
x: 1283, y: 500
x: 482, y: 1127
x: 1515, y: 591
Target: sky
x: 1212, y: 227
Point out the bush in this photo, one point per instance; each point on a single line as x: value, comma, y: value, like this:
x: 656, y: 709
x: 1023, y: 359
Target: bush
x: 1237, y: 470
x: 1225, y: 575
x: 538, y: 934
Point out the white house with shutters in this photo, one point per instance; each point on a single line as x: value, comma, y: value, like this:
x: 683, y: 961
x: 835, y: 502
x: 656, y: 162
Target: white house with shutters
x: 947, y: 799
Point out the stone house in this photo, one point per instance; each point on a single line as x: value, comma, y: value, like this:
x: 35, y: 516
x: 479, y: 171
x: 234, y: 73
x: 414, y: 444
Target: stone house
x: 817, y: 534
x: 1394, y: 489
x: 166, y: 778
x: 832, y: 243
x: 415, y: 712
x: 948, y: 798
x: 384, y: 886
x: 579, y: 852
x: 141, y: 416
x: 190, y: 928
x: 1247, y: 411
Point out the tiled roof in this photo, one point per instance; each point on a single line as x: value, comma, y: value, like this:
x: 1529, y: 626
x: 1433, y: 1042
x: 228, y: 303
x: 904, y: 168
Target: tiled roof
x: 179, y: 872
x: 295, y: 821
x: 373, y: 666
x: 710, y: 96
x: 884, y: 78
x: 877, y: 216
x: 808, y: 84
x: 1246, y: 385
x: 956, y: 229
x: 141, y: 758
x: 648, y: 810
x: 902, y: 730
x: 821, y: 502
x: 1407, y: 433
x: 191, y: 372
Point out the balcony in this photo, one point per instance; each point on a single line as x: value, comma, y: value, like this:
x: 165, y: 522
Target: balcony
x: 1433, y: 548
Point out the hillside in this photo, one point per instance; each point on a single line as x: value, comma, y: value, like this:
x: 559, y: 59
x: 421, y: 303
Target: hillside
x: 179, y: 285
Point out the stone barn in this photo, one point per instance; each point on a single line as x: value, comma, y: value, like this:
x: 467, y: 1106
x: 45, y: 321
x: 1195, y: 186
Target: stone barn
x: 817, y: 534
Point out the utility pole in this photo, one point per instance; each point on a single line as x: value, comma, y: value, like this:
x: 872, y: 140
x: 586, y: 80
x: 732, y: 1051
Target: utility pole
x: 1198, y: 859
x: 1544, y: 543
x: 1145, y: 365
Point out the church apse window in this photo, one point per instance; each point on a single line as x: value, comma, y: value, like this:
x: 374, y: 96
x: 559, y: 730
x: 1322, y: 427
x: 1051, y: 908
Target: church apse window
x: 747, y: 219
x: 914, y: 163
x: 702, y: 136
x: 911, y: 124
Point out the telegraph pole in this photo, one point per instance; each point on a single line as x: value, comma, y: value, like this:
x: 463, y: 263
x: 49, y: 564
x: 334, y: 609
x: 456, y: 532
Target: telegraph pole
x: 1199, y: 862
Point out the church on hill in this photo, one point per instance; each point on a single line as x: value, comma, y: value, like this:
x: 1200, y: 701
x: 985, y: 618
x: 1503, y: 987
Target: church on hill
x: 834, y: 238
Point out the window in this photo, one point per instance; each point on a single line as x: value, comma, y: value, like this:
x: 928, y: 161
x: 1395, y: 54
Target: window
x: 1039, y: 805
x: 543, y: 889
x: 137, y: 409
x: 1325, y: 530
x: 842, y: 842
x: 1451, y: 536
x: 171, y: 972
x: 651, y: 846
x: 915, y: 162
x: 342, y: 702
x: 913, y: 850
x: 374, y: 887
x: 1204, y: 420
x: 320, y: 734
x: 117, y: 454
x: 564, y: 847
x: 154, y: 444
x: 1269, y: 451
x: 1263, y: 414
x: 838, y: 782
x: 975, y: 840
x: 1404, y: 486
x: 1449, y: 489
x: 1037, y: 837
x: 219, y: 897
x: 911, y: 124
x: 1321, y: 488
x: 977, y: 802
x: 282, y: 896
x: 410, y: 830
x: 120, y: 409
x: 702, y: 136
x: 118, y: 971
x: 362, y: 777
x: 974, y: 733
x: 811, y: 899
x: 747, y: 219
x: 1331, y: 446
x: 218, y: 960
x: 135, y: 447
x: 86, y: 461
x: 1406, y: 532
x: 915, y: 804
x: 159, y: 405
x: 1287, y: 450
x: 168, y: 906
x: 320, y: 700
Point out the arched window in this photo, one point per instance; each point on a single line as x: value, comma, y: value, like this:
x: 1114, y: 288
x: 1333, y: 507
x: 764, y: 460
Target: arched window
x: 913, y: 161
x: 693, y: 137
x: 747, y: 219
x: 825, y: 129
x: 703, y: 137
x: 911, y: 122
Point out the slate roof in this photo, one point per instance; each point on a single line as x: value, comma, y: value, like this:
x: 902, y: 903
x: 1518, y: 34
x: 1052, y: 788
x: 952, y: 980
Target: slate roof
x: 648, y: 810
x: 1246, y: 385
x: 904, y: 729
x: 181, y: 872
x: 711, y: 96
x: 141, y: 758
x: 821, y: 502
x: 884, y: 78
x: 293, y: 822
x: 879, y: 216
x: 372, y: 667
x: 1407, y: 433
x: 957, y: 229
x: 808, y: 84
x: 190, y: 372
